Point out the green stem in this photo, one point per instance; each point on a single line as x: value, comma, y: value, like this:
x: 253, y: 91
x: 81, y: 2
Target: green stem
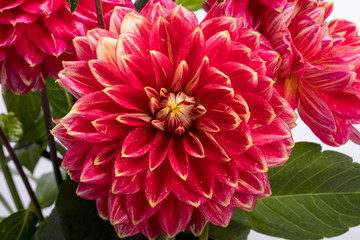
x: 19, y: 168
x: 205, y: 234
x: 12, y: 187
x: 6, y: 204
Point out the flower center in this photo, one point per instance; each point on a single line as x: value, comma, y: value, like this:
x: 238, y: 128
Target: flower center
x: 176, y: 112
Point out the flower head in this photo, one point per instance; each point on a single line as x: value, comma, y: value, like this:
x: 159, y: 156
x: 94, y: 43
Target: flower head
x: 176, y: 123
x: 320, y: 69
x: 35, y: 36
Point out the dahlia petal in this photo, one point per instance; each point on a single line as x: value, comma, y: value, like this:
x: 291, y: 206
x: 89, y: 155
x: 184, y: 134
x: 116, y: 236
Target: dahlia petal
x: 117, y: 16
x: 180, y: 76
x: 276, y: 131
x: 176, y: 221
x: 213, y: 93
x: 138, y: 207
x: 96, y: 174
x: 127, y: 97
x: 28, y: 51
x: 215, y: 76
x: 250, y: 38
x: 75, y: 156
x: 226, y: 172
x: 10, y: 34
x: 117, y: 214
x: 212, y: 148
x: 193, y: 145
x: 134, y: 119
x: 94, y: 35
x: 92, y: 191
x: 15, y: 16
x: 216, y: 214
x: 60, y: 132
x: 178, y: 158
x: 110, y: 127
x: 164, y: 38
x: 223, y: 194
x: 150, y: 228
x: 136, y: 24
x: 277, y: 5
x: 159, y: 149
x: 253, y: 160
x: 138, y: 71
x: 127, y: 185
x: 106, y: 74
x: 193, y: 82
x: 187, y: 15
x: 184, y: 193
x: 275, y: 154
x: 242, y: 77
x: 182, y: 25
x: 77, y: 78
x: 94, y: 106
x: 192, y: 51
x: 250, y: 183
x: 163, y: 69
x: 224, y: 117
x: 44, y: 40
x: 41, y: 7
x: 197, y: 223
x: 8, y: 4
x: 129, y: 44
x: 158, y: 184
x: 218, y: 47
x: 83, y: 130
x: 355, y: 136
x: 126, y: 230
x: 106, y: 49
x: 102, y: 208
x: 138, y: 141
x: 207, y: 125
x: 127, y: 167
x: 244, y: 201
x: 199, y: 178
x: 2, y: 53
x: 215, y: 25
x: 63, y: 25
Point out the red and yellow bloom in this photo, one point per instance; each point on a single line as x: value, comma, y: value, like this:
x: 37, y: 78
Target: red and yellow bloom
x: 176, y: 122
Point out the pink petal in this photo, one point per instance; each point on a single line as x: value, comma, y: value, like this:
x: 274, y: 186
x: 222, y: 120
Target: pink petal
x: 213, y: 149
x: 106, y: 74
x: 131, y: 44
x: 28, y: 51
x: 10, y: 34
x: 276, y: 131
x: 106, y: 50
x: 250, y: 183
x: 41, y: 7
x: 95, y: 34
x: 82, y: 48
x: 227, y: 172
x: 216, y: 214
x: 128, y: 185
x: 150, y: 228
x: 177, y: 219
x: 16, y: 16
x: 223, y: 194
x: 159, y: 149
x: 138, y: 207
x: 117, y: 17
x: 184, y: 193
x: 218, y: 47
x: 180, y: 76
x: 178, y: 158
x: 117, y: 212
x: 213, y: 93
x: 83, y: 130
x: 242, y: 77
x: 224, y: 117
x: 102, y: 208
x: 200, y: 179
x: 133, y: 23
x: 44, y: 40
x: 8, y: 4
x: 92, y: 191
x: 163, y: 69
x: 253, y: 160
x: 75, y: 156
x: 138, y: 141
x: 244, y: 201
x: 110, y: 127
x: 197, y: 223
x: 126, y: 230
x: 129, y: 167
x: 193, y: 145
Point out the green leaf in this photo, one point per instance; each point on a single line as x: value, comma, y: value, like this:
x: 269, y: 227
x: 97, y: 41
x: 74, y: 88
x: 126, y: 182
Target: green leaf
x: 235, y: 231
x: 50, y: 228
x: 11, y: 126
x: 46, y: 190
x: 26, y: 107
x: 79, y: 218
x: 60, y: 100
x: 192, y: 5
x: 140, y: 4
x: 315, y: 195
x: 19, y: 226
x: 73, y: 4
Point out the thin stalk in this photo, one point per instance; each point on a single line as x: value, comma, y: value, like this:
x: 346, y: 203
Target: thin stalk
x: 100, y: 14
x: 6, y: 204
x: 205, y: 234
x: 17, y: 163
x: 12, y: 187
x: 48, y: 124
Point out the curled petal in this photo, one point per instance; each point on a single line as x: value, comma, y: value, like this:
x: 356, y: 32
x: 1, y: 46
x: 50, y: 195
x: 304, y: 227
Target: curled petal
x: 216, y: 214
x: 138, y: 207
x: 179, y: 159
x: 138, y: 141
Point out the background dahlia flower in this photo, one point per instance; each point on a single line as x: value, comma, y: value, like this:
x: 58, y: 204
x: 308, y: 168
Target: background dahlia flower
x: 320, y: 62
x: 176, y: 122
x: 36, y: 36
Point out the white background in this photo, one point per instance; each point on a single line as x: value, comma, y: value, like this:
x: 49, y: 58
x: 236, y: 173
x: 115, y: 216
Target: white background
x: 348, y: 9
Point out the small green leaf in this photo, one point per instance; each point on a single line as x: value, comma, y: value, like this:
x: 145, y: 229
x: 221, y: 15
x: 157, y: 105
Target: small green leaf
x: 192, y: 5
x: 140, y: 4
x: 73, y: 4
x: 235, y: 231
x: 60, y: 100
x: 20, y: 225
x: 50, y: 228
x: 46, y: 190
x: 79, y: 218
x: 11, y: 126
x: 315, y: 195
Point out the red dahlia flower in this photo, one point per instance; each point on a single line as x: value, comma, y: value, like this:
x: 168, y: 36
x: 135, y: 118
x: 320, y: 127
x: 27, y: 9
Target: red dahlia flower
x: 35, y: 36
x: 320, y: 72
x: 176, y: 123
